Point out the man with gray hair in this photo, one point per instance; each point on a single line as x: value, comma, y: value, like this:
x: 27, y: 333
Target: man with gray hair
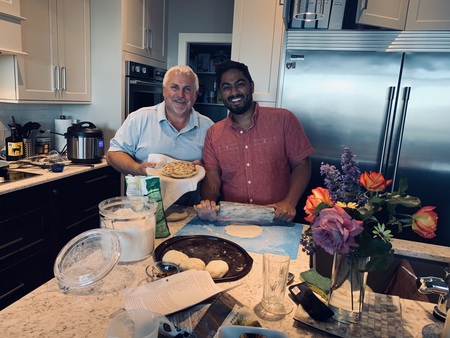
x: 172, y: 127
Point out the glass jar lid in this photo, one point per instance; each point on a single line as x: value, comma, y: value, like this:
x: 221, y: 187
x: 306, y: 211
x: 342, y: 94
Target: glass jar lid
x: 86, y: 259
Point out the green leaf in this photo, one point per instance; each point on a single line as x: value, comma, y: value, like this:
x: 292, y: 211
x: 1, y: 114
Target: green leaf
x: 403, y: 184
x: 319, y: 208
x: 380, y: 252
x: 405, y: 200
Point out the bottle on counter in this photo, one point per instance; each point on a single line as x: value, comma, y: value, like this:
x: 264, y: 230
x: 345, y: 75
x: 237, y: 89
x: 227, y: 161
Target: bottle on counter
x: 14, y: 146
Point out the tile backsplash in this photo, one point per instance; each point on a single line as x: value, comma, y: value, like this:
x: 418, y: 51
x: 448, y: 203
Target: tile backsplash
x: 43, y: 114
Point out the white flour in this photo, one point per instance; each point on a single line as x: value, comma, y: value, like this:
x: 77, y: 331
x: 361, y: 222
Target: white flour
x: 136, y: 232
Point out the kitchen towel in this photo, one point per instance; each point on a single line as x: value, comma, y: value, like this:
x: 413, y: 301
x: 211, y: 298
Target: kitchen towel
x: 403, y: 285
x: 61, y: 126
x: 173, y: 188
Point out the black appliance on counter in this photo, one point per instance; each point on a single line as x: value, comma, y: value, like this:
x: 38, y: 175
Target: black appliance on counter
x: 143, y: 86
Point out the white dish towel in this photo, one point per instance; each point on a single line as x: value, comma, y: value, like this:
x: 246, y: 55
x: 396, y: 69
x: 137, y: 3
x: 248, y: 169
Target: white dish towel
x: 173, y: 188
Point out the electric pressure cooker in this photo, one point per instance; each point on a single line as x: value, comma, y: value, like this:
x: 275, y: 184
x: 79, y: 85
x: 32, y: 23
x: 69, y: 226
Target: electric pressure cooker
x: 85, y: 143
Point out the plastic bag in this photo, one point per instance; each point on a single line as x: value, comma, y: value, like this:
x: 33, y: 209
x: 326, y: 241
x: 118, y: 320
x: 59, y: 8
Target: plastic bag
x: 149, y: 186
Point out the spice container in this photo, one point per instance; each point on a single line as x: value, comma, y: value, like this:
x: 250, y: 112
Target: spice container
x: 42, y: 145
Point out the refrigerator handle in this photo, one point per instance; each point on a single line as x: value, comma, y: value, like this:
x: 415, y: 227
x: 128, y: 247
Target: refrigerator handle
x: 405, y: 99
x: 388, y: 113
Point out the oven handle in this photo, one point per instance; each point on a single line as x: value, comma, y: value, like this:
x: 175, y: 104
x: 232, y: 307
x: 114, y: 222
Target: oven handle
x: 145, y: 83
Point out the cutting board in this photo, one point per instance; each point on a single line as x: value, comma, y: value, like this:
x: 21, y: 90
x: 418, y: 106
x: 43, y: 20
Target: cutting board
x: 278, y: 238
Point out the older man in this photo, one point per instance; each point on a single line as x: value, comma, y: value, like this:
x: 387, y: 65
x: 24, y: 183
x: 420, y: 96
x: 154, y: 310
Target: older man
x: 171, y: 128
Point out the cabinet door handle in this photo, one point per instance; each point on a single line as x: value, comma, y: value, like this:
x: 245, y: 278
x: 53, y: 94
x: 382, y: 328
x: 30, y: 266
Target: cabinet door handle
x: 281, y: 3
x: 365, y: 5
x: 149, y: 39
x: 57, y: 79
x: 63, y: 79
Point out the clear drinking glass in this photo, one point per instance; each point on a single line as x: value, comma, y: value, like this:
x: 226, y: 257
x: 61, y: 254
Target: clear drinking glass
x: 275, y: 275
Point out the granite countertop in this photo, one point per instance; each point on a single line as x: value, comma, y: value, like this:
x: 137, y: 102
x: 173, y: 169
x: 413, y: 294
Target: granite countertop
x: 46, y: 175
x: 47, y: 312
x: 424, y: 251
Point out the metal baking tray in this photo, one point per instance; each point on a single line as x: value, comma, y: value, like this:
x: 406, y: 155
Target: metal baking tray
x: 208, y: 248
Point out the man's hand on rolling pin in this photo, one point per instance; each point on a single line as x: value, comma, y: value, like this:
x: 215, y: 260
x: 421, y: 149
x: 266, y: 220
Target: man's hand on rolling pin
x: 207, y: 210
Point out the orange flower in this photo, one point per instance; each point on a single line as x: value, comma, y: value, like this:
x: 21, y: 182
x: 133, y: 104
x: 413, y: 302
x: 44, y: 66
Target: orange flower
x: 318, y: 196
x: 424, y: 222
x: 374, y: 181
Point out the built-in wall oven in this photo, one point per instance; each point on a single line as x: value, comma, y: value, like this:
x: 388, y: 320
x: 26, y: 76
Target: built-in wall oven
x: 143, y: 86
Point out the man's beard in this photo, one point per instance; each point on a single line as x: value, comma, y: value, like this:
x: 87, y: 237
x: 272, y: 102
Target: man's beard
x: 241, y: 109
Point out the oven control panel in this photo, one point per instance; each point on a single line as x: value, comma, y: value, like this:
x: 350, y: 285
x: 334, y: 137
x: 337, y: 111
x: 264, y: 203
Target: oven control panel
x: 145, y: 72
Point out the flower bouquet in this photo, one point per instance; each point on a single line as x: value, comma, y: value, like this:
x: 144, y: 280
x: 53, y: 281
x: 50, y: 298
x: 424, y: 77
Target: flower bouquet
x: 352, y: 216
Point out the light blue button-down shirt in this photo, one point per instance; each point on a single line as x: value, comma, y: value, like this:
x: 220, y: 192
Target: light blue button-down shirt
x: 147, y: 131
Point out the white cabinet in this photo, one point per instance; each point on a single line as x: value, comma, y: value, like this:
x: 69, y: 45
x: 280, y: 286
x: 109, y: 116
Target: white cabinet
x: 257, y: 40
x: 10, y: 27
x: 56, y: 37
x: 405, y: 14
x: 10, y: 7
x: 145, y: 28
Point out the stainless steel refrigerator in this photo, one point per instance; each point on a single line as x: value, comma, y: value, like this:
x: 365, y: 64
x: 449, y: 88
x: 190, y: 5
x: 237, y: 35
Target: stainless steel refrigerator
x: 391, y: 108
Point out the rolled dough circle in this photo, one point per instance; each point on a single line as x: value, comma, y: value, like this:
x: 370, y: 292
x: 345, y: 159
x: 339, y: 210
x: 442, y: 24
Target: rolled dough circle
x: 243, y: 230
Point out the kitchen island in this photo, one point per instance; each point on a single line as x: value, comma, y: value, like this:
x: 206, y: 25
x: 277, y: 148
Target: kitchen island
x: 47, y: 312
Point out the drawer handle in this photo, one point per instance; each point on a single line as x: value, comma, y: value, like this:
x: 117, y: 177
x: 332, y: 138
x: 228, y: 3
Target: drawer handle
x: 96, y: 179
x: 11, y: 243
x: 22, y: 248
x: 18, y: 287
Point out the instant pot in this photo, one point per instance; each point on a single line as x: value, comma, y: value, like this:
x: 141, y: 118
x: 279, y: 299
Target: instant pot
x: 85, y: 143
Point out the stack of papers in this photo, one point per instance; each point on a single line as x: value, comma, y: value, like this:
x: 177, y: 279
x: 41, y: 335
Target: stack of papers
x: 173, y: 293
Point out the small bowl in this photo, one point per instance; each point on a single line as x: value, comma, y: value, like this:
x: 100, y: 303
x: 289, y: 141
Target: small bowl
x: 161, y: 270
x: 57, y: 167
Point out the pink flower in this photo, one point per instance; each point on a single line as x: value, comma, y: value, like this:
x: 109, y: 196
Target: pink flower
x: 335, y: 231
x: 424, y: 222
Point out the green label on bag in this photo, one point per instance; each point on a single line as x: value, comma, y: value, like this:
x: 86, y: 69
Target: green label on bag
x: 153, y: 186
x: 150, y: 186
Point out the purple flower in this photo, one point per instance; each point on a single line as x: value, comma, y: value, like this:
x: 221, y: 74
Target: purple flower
x: 345, y: 186
x: 335, y: 231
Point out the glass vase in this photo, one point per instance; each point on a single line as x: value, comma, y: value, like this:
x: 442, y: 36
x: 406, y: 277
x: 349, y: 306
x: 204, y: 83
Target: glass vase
x: 348, y: 284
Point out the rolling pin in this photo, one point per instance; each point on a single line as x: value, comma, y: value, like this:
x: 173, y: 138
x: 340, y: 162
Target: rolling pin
x: 233, y: 210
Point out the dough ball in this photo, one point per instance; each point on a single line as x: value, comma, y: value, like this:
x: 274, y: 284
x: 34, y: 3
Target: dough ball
x: 217, y: 268
x: 175, y: 257
x: 192, y: 263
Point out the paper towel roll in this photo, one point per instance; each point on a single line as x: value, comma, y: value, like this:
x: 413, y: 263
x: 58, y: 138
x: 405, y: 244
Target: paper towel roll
x: 61, y: 126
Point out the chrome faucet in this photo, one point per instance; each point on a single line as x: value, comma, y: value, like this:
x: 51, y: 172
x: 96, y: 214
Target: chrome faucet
x: 435, y: 285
